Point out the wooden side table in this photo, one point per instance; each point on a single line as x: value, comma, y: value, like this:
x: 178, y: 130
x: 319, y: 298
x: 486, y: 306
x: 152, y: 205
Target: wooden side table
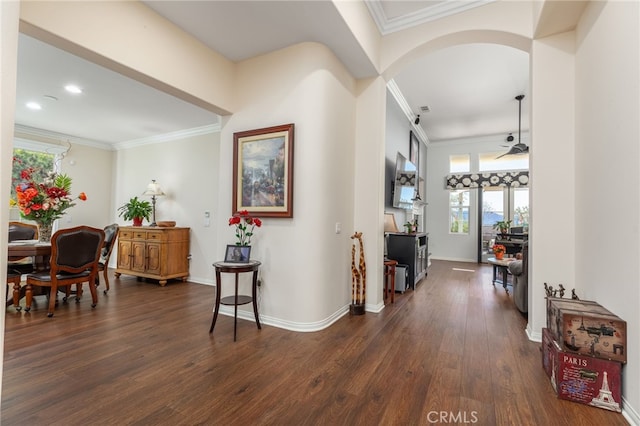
x: 389, y: 272
x: 236, y: 299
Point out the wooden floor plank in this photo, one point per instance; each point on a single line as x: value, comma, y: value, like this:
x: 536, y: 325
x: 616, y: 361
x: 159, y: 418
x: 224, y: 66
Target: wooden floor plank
x: 453, y: 350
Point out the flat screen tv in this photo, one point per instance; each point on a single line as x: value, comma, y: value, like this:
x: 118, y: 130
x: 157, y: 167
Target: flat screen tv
x: 404, y: 184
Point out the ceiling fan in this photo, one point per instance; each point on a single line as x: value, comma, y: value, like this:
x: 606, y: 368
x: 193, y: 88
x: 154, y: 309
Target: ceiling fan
x: 519, y: 148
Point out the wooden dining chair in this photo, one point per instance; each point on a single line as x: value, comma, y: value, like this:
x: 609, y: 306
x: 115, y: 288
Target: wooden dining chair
x: 14, y: 278
x: 74, y: 260
x: 110, y: 235
x: 22, y: 231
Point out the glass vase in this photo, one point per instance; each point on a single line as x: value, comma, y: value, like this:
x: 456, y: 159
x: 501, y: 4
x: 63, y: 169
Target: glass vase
x: 44, y: 231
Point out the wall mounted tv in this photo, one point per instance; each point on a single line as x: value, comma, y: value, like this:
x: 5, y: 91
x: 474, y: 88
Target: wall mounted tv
x: 404, y: 184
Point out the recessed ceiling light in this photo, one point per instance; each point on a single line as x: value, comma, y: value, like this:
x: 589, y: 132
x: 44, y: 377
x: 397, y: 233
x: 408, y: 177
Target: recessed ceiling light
x: 72, y: 88
x: 34, y: 105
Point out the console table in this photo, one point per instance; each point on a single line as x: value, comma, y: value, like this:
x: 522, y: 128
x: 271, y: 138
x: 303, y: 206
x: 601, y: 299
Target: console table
x: 236, y: 299
x: 411, y: 250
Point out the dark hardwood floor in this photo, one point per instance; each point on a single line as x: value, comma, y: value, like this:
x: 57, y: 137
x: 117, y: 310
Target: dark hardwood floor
x: 453, y: 351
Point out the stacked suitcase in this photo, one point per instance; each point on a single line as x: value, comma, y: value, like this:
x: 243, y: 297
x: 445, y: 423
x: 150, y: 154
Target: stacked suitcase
x: 583, y: 349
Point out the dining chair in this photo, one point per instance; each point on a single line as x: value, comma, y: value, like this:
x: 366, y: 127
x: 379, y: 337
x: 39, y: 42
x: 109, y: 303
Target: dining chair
x: 14, y: 278
x: 110, y: 235
x: 22, y: 231
x: 74, y: 260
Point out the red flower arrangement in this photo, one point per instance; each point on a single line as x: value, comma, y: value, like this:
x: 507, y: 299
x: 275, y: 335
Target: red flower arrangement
x: 45, y: 201
x: 245, y: 224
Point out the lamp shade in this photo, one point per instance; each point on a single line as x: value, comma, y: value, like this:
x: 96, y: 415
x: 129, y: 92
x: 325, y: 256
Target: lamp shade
x: 153, y: 189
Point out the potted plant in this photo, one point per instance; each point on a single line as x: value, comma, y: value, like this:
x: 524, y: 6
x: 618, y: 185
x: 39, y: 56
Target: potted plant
x: 502, y: 226
x: 499, y: 250
x: 135, y: 210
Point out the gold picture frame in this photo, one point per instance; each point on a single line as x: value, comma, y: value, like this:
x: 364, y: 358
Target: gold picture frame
x: 263, y: 171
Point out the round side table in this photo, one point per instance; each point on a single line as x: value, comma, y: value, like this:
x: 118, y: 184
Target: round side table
x: 236, y: 299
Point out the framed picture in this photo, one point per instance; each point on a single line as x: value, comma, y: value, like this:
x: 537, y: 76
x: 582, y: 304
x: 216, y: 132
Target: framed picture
x: 263, y: 171
x: 237, y: 254
x: 414, y: 149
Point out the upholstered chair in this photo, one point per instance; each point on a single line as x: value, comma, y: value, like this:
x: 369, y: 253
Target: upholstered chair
x: 75, y: 253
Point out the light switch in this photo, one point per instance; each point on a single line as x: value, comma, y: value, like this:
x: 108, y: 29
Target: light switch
x: 207, y: 219
x: 338, y: 227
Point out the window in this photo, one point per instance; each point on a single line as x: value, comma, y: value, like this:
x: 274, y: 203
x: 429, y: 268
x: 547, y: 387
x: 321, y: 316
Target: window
x: 489, y: 161
x: 22, y: 159
x: 459, y: 211
x: 459, y: 163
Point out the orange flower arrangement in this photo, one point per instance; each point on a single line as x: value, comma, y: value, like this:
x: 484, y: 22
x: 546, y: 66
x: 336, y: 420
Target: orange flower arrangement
x: 45, y: 201
x: 499, y: 249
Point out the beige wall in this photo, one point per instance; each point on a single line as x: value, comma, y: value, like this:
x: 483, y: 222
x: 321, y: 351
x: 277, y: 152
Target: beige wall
x: 187, y: 170
x: 305, y: 267
x: 8, y: 63
x: 607, y: 174
x: 552, y: 167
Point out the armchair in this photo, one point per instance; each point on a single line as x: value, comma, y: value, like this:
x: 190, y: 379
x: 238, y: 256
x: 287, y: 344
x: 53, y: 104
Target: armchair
x: 74, y: 259
x: 520, y: 271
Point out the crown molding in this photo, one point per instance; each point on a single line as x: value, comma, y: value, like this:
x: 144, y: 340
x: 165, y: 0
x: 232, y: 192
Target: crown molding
x: 31, y: 135
x: 34, y: 139
x: 168, y: 137
x: 428, y: 14
x: 393, y: 88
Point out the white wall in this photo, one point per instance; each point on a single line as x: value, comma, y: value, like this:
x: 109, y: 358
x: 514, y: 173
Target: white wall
x: 305, y: 271
x: 552, y: 178
x: 188, y: 172
x: 8, y: 65
x: 607, y: 105
x: 442, y: 244
x: 91, y: 170
x: 396, y: 140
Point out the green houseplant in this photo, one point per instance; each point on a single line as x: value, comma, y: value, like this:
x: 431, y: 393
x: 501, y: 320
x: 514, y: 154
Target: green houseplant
x: 135, y: 210
x: 502, y: 226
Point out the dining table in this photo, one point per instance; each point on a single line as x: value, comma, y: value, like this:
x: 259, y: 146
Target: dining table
x: 40, y: 251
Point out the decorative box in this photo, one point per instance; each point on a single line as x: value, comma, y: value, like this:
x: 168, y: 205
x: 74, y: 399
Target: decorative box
x: 587, y: 328
x: 583, y: 379
x: 550, y: 350
x: 555, y: 304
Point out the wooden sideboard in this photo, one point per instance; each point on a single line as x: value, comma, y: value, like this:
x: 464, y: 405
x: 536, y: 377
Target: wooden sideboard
x: 153, y: 252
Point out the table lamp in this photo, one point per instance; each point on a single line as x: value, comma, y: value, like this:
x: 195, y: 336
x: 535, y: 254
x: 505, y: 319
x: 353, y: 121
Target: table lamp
x: 154, y: 190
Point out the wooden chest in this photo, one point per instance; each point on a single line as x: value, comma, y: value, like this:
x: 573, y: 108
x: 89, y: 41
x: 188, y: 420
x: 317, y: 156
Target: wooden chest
x: 153, y: 252
x: 587, y: 380
x: 587, y: 328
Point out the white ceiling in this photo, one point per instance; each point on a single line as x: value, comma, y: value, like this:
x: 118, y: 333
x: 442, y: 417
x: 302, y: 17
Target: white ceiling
x: 470, y: 89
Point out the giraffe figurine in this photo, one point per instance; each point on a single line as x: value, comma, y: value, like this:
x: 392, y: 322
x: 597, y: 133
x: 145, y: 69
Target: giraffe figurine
x: 355, y: 276
x: 358, y: 276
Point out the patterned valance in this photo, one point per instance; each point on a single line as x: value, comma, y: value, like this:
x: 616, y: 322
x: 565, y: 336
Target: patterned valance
x: 516, y: 179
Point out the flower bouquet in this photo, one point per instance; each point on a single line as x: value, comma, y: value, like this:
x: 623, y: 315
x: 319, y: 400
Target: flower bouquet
x: 499, y: 250
x: 44, y: 202
x: 245, y: 224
